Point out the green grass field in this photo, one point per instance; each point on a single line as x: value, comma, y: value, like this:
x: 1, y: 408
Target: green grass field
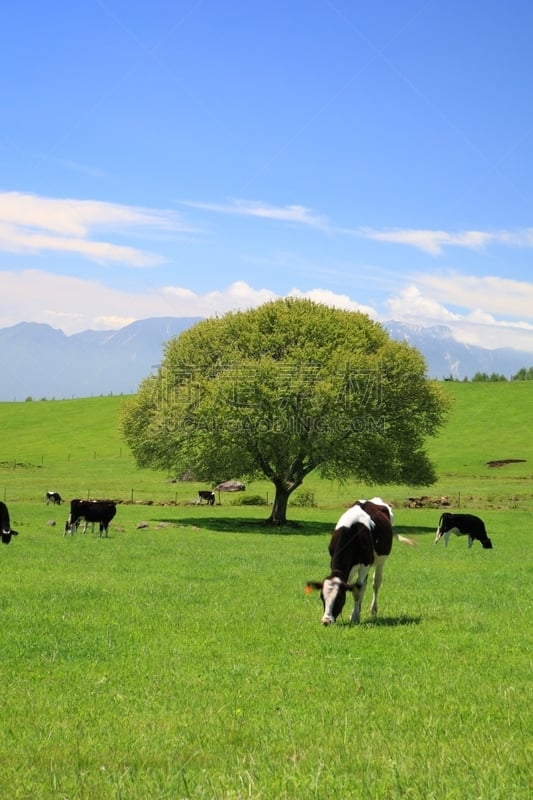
x: 183, y: 659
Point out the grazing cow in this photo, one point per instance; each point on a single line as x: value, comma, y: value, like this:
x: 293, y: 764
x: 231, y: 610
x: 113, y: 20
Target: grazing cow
x: 7, y: 530
x: 101, y: 511
x: 206, y: 494
x: 54, y: 498
x: 362, y: 538
x: 462, y: 525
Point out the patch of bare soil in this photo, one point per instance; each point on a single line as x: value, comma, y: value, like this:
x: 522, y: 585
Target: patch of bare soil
x: 426, y: 501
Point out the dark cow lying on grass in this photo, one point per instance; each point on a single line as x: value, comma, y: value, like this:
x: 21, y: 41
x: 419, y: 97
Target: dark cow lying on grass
x: 54, y: 498
x: 7, y: 530
x: 206, y: 494
x: 462, y: 525
x: 362, y: 538
x: 101, y: 511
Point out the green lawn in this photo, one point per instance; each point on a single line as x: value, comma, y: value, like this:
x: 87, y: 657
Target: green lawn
x: 186, y: 661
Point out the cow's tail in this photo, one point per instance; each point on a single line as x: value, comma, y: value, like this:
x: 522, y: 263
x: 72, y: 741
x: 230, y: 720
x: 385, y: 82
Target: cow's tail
x: 438, y: 534
x: 405, y: 540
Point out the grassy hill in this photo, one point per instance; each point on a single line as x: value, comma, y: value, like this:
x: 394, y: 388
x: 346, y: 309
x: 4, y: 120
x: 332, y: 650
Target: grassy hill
x: 75, y: 447
x: 182, y: 658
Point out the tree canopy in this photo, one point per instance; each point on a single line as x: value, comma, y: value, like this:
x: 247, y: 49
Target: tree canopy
x: 279, y: 391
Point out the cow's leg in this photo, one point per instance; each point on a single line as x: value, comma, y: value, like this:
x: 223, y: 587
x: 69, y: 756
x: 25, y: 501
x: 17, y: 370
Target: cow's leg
x: 470, y: 541
x: 358, y: 591
x: 379, y: 563
x: 446, y: 537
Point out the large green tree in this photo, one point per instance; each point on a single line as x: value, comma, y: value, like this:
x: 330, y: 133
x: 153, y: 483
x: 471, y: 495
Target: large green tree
x: 279, y: 391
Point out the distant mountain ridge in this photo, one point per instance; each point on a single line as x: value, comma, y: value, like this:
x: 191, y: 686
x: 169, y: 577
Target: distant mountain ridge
x: 39, y: 361
x: 446, y: 357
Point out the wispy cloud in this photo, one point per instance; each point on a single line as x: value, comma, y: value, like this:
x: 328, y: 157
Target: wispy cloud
x: 435, y: 242
x: 428, y: 240
x: 30, y: 223
x: 294, y: 214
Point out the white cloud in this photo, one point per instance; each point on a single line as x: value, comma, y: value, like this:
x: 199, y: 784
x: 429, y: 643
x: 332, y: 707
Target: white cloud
x: 413, y: 307
x: 239, y: 296
x: 426, y: 305
x: 492, y: 335
x: 500, y: 296
x: 74, y: 305
x: 29, y: 224
x: 36, y: 296
x: 329, y: 298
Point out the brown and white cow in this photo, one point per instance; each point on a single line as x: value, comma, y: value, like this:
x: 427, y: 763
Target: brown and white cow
x: 362, y: 538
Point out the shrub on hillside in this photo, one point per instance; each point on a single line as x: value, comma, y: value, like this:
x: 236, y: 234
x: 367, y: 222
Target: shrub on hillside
x: 304, y: 500
x: 249, y: 500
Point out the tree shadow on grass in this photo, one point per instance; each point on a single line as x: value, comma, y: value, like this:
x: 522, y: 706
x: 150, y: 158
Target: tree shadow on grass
x: 292, y: 528
x: 415, y: 530
x: 250, y: 525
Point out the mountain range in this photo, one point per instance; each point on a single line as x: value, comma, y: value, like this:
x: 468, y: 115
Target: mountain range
x: 41, y: 362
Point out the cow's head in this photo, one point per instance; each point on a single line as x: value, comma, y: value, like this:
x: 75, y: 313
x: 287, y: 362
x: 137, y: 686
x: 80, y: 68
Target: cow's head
x: 487, y: 544
x: 6, y: 535
x: 333, y: 595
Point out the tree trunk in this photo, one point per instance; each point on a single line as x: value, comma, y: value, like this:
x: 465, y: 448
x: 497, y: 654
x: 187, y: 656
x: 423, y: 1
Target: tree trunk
x: 278, y: 515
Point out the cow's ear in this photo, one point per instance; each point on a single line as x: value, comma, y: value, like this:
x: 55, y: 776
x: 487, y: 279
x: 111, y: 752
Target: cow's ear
x: 310, y: 585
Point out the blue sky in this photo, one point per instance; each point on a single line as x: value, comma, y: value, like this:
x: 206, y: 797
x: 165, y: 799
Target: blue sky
x: 189, y: 157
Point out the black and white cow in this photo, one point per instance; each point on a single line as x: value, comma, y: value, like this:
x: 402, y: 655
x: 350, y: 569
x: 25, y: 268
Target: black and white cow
x: 362, y: 538
x: 462, y: 525
x: 54, y: 498
x: 206, y: 494
x: 7, y: 530
x: 101, y: 511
